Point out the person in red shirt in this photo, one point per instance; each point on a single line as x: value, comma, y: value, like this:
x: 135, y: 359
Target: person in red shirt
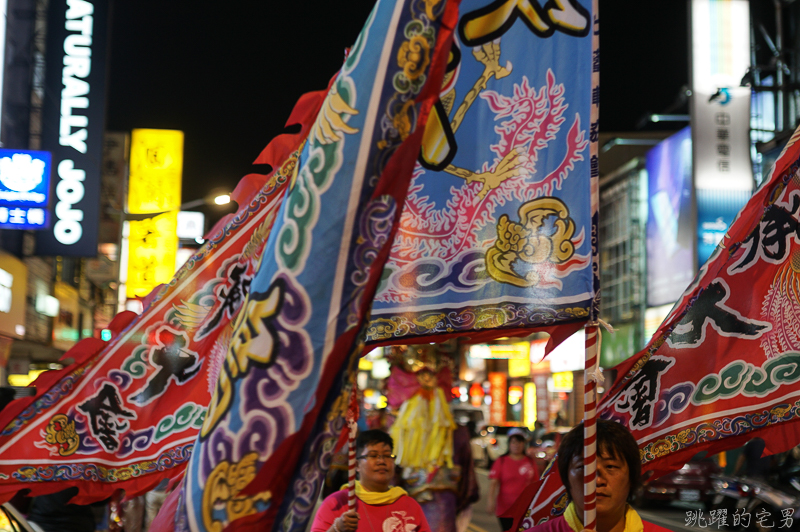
x: 619, y: 471
x: 379, y: 506
x: 509, y: 476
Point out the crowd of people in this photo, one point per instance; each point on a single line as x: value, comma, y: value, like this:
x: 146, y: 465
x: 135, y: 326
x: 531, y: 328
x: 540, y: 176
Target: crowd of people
x: 384, y: 507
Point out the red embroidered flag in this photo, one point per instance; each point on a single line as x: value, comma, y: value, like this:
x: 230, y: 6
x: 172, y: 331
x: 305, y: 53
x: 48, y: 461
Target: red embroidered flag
x: 126, y: 413
x: 724, y: 367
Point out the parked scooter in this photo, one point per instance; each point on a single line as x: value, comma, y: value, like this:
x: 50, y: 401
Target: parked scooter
x: 749, y: 504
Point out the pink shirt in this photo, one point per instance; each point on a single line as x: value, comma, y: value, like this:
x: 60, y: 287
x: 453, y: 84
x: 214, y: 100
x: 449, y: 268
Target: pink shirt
x: 513, y: 476
x: 403, y: 515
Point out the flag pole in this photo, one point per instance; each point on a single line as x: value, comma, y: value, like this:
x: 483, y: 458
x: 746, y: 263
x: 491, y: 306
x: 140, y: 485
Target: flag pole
x: 590, y: 429
x: 592, y: 366
x: 352, y: 427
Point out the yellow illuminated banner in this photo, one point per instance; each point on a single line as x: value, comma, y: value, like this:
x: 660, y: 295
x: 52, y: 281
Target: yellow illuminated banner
x: 562, y: 381
x: 497, y: 391
x: 152, y: 246
x: 519, y: 350
x: 156, y: 171
x: 529, y: 406
x: 519, y: 367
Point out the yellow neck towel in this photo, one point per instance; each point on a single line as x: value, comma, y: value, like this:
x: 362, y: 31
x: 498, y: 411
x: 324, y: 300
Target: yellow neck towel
x: 378, y: 498
x: 633, y: 523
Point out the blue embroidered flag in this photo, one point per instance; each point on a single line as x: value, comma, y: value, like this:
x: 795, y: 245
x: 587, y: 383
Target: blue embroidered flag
x: 496, y: 234
x: 258, y: 461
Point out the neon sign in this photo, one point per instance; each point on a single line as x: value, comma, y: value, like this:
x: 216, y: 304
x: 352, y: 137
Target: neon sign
x: 24, y: 189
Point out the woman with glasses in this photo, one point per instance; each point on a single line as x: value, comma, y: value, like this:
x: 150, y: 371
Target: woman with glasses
x: 380, y: 507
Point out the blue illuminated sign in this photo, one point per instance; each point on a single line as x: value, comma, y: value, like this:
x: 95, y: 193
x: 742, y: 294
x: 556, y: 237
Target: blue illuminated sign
x: 24, y: 189
x: 670, y: 253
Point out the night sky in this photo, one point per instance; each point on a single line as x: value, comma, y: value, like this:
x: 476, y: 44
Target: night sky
x: 229, y: 73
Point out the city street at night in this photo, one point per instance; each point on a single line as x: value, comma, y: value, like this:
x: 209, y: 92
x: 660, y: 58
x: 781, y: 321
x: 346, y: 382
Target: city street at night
x: 330, y: 266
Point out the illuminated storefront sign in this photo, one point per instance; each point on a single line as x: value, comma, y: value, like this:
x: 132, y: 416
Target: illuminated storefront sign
x: 75, y: 72
x: 542, y: 399
x: 154, y: 186
x: 514, y: 394
x: 156, y: 171
x: 191, y: 225
x: 6, y: 282
x: 529, y: 404
x: 497, y: 391
x: 24, y: 189
x: 476, y: 394
x: 520, y: 350
x: 47, y: 305
x: 720, y: 110
x: 670, y: 228
x: 152, y: 247
x: 519, y: 367
x: 562, y: 382
x: 13, y: 288
x: 720, y: 105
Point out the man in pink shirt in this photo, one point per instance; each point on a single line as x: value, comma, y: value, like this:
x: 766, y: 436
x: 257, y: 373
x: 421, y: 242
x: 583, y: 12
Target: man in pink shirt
x: 379, y: 506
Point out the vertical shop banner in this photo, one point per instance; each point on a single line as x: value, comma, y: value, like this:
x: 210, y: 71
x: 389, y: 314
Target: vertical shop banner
x: 156, y: 171
x: 154, y: 186
x: 73, y: 122
x: 498, y: 391
x: 529, y: 409
x: 723, y: 171
x: 152, y: 247
x: 496, y: 234
x: 670, y: 228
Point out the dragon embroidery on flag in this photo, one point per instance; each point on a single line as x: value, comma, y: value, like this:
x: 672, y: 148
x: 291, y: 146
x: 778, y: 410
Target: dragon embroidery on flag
x: 536, y: 250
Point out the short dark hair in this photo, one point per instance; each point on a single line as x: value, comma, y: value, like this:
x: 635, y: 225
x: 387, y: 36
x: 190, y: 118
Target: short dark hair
x: 371, y: 437
x: 613, y: 439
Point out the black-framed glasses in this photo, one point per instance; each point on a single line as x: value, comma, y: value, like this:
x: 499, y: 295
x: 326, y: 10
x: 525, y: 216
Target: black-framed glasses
x: 375, y: 457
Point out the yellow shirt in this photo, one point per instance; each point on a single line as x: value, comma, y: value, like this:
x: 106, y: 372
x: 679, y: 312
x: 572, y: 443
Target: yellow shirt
x: 633, y: 523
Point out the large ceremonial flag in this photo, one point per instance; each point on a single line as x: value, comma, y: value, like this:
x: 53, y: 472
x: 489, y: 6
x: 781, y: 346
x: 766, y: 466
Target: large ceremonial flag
x: 724, y: 367
x: 496, y: 234
x: 268, y: 435
x: 126, y: 413
x: 526, y: 252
